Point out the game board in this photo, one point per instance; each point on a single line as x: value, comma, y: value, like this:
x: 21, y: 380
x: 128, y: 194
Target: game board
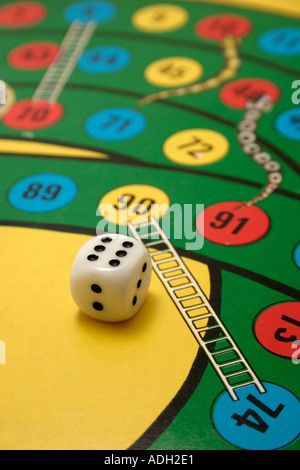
x: 128, y: 104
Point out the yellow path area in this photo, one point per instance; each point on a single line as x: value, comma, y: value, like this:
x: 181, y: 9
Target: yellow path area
x: 287, y: 8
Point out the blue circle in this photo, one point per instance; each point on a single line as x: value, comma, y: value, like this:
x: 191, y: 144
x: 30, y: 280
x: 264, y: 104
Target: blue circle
x: 288, y: 124
x: 115, y: 124
x: 297, y: 255
x: 104, y: 59
x: 88, y: 11
x: 42, y: 193
x: 283, y: 42
x: 266, y: 432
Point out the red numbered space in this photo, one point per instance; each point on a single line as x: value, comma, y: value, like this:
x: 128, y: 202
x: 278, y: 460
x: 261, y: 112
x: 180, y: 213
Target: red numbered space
x: 216, y: 27
x: 237, y: 93
x: 33, y: 56
x: 30, y: 115
x: 232, y: 224
x: 278, y: 329
x: 21, y: 14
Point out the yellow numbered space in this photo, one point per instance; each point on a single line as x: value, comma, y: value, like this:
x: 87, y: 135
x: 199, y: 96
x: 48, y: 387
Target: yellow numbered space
x: 173, y: 72
x: 10, y: 100
x: 134, y: 203
x: 196, y: 147
x: 160, y: 18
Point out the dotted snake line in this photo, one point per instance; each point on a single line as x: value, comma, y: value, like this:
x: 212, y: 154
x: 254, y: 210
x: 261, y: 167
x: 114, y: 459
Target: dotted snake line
x: 230, y: 49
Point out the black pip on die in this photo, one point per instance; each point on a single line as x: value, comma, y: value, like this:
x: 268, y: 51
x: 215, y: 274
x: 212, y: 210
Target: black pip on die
x: 110, y: 277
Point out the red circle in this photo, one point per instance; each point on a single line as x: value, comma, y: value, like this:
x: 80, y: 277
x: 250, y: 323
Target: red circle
x: 278, y: 327
x: 33, y: 55
x: 19, y: 14
x: 233, y: 224
x: 236, y: 94
x: 216, y: 27
x: 28, y: 115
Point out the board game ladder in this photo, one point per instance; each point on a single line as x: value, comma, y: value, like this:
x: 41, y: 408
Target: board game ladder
x: 225, y: 356
x: 63, y: 65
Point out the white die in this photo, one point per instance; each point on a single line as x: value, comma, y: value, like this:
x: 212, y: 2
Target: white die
x: 110, y: 277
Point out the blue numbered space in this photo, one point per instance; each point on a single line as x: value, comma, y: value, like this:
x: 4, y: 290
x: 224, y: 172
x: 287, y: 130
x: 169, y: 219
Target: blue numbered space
x: 100, y: 11
x: 258, y: 421
x: 42, y: 193
x: 296, y: 255
x: 288, y: 124
x: 104, y: 59
x: 115, y: 124
x: 283, y: 42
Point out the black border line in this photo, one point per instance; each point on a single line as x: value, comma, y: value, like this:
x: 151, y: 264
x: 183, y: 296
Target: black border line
x: 122, y: 159
x: 248, y: 274
x: 52, y: 227
x: 201, y: 361
x: 137, y: 96
x: 167, y: 416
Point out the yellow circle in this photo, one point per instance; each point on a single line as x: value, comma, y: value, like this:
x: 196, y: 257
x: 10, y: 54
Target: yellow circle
x: 135, y: 203
x: 160, y: 18
x: 10, y: 100
x: 173, y: 71
x: 196, y: 147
